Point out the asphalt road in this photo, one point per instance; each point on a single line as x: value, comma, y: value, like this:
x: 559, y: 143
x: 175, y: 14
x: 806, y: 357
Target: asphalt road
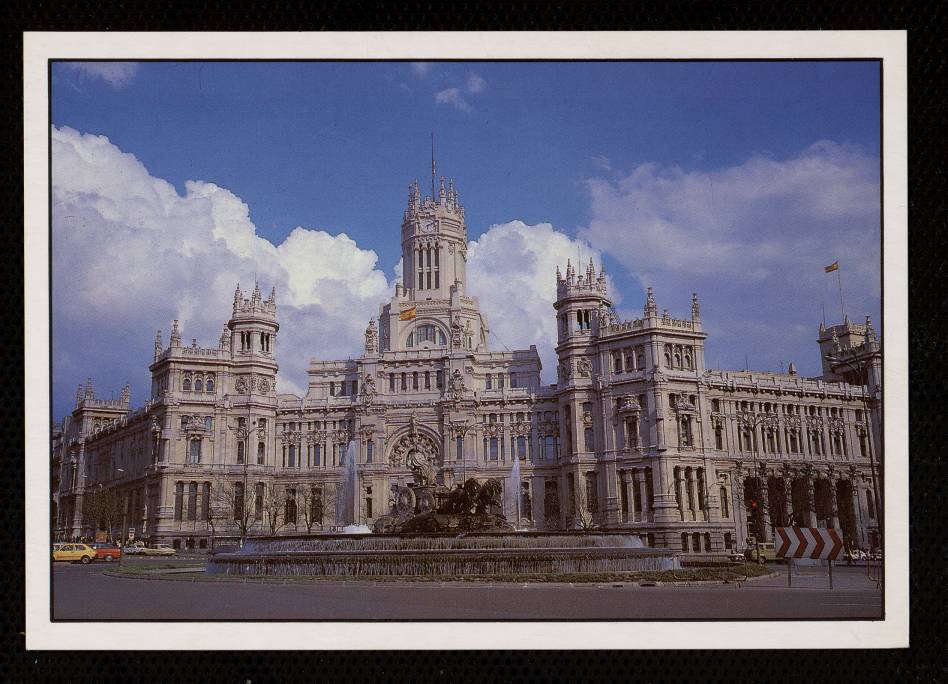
x: 86, y: 593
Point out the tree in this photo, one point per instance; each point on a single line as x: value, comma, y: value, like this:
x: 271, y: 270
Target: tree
x: 102, y: 509
x: 311, y: 499
x: 273, y: 504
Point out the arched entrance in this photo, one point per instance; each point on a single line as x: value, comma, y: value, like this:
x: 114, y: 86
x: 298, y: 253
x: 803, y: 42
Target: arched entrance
x: 847, y: 513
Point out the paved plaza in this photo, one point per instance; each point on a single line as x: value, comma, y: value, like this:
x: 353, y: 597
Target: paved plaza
x: 88, y: 593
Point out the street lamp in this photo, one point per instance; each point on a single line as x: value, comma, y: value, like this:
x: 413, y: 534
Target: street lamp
x: 751, y: 421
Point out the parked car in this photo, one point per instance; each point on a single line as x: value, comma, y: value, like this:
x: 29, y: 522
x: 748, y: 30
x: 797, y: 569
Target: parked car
x: 106, y: 552
x: 737, y: 556
x: 135, y: 549
x: 760, y: 553
x: 161, y: 550
x: 81, y: 553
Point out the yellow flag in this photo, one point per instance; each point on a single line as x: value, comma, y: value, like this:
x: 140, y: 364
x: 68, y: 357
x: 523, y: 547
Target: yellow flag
x: 408, y: 314
x: 832, y: 267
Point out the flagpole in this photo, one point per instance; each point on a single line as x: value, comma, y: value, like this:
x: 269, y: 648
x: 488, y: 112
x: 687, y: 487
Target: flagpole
x: 839, y: 282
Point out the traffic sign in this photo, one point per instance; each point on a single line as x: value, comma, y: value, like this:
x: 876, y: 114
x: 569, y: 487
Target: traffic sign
x: 131, y: 534
x: 809, y: 542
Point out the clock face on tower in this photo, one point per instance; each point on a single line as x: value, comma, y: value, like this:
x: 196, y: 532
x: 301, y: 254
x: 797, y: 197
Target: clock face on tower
x: 427, y: 226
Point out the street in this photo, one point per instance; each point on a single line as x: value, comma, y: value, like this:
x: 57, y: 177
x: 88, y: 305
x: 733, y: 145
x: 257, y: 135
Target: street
x: 86, y: 593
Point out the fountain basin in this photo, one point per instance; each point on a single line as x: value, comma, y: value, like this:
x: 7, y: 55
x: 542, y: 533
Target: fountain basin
x: 442, y: 555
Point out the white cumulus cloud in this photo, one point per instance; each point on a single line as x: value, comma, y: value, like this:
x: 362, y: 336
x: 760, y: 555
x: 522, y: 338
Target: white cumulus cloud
x: 116, y: 74
x: 752, y: 239
x: 512, y: 272
x: 130, y: 254
x: 453, y: 97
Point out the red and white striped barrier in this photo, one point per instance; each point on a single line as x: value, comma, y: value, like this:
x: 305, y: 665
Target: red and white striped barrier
x: 809, y: 542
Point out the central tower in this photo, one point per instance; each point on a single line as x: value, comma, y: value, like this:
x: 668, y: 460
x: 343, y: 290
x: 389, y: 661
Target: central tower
x: 434, y: 243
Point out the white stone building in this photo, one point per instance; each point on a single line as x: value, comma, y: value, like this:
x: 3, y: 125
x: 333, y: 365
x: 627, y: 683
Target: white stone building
x: 636, y: 433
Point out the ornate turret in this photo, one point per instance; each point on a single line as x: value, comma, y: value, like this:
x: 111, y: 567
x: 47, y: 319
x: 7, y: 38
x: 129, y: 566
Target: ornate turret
x: 175, y: 334
x: 651, y: 309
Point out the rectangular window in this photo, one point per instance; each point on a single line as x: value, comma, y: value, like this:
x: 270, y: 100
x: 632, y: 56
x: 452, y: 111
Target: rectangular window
x: 500, y: 381
x: 459, y: 448
x: 240, y: 452
x: 205, y: 501
x: 369, y: 451
x: 427, y: 380
x: 493, y: 449
x: 522, y: 447
x: 404, y: 381
x: 178, y: 499
x: 317, y: 449
x: 368, y: 507
x: 355, y: 388
x: 258, y: 502
x: 261, y: 453
x: 291, y: 462
x: 194, y: 452
x: 429, y: 280
x: 414, y: 380
x: 391, y: 383
x: 489, y: 382
x: 192, y: 500
x: 437, y: 253
x: 421, y: 280
x: 332, y: 388
x: 439, y: 379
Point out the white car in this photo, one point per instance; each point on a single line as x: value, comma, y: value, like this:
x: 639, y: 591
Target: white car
x: 161, y: 550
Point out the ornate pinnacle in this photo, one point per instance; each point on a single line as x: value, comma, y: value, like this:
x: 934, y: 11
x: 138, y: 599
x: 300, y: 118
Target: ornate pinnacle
x: 651, y: 309
x: 89, y: 393
x: 158, y: 345
x: 255, y: 297
x: 78, y: 395
x: 175, y: 334
x: 559, y: 276
x: 126, y: 394
x: 238, y: 296
x: 695, y: 307
x: 870, y: 331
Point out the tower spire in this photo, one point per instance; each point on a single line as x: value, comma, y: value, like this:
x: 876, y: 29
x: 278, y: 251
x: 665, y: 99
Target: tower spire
x: 432, y: 168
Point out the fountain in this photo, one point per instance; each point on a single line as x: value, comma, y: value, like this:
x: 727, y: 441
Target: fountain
x: 512, y: 494
x: 434, y: 531
x: 347, y: 499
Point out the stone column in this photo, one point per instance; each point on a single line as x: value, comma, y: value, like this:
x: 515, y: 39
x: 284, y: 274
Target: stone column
x: 645, y: 512
x: 810, y: 499
x: 765, y: 505
x: 625, y: 503
x: 834, y: 512
x: 693, y: 488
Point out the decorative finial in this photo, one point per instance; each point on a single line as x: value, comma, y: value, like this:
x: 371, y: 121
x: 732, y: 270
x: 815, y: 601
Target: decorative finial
x: 792, y: 369
x: 238, y: 297
x: 651, y: 309
x: 78, y: 395
x: 695, y: 307
x: 175, y: 334
x: 255, y: 297
x: 158, y: 345
x: 89, y: 393
x: 559, y: 276
x: 441, y: 194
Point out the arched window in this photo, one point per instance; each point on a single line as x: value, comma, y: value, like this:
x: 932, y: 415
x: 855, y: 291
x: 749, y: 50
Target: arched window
x: 688, y: 361
x: 186, y: 384
x: 677, y: 360
x: 290, y: 513
x: 198, y: 384
x: 209, y: 386
x: 668, y: 361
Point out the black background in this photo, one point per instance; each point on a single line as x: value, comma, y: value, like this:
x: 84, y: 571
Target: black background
x: 924, y: 661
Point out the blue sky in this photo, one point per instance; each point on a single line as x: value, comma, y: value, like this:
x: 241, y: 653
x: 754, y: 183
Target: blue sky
x: 664, y: 170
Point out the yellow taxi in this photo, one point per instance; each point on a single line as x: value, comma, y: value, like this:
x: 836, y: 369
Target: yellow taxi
x: 73, y: 552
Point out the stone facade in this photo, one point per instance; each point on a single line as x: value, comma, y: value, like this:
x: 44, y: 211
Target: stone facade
x: 636, y: 433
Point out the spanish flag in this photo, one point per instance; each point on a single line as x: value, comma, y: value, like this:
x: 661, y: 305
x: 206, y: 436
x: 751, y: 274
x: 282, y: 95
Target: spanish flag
x: 832, y: 267
x: 408, y: 314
